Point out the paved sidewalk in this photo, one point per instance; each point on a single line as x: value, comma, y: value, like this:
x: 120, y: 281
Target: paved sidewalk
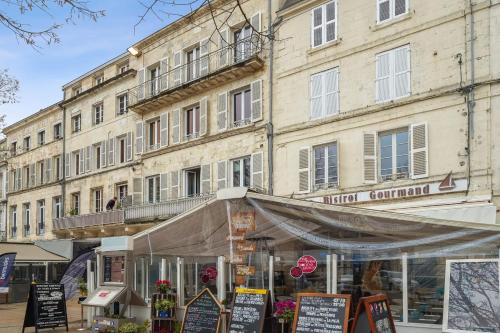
x: 12, y: 318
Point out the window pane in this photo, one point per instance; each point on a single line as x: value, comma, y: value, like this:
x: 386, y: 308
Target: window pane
x: 386, y: 155
x: 400, y: 7
x: 237, y: 107
x: 248, y: 105
x: 330, y: 32
x: 150, y: 190
x: 319, y: 165
x: 318, y: 15
x: 384, y: 11
x: 402, y: 152
x: 236, y: 173
x: 317, y: 36
x: 246, y: 166
x: 332, y: 164
x: 330, y: 11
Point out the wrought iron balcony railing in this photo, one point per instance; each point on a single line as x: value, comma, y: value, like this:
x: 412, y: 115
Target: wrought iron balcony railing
x: 232, y: 56
x: 88, y: 220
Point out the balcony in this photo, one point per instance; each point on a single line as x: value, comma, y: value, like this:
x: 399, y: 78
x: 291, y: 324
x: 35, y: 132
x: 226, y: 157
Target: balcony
x: 88, y: 220
x: 163, y: 210
x: 213, y: 69
x: 146, y: 213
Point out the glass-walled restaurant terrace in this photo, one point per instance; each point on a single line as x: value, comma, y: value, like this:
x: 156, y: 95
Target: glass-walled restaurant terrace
x: 256, y: 240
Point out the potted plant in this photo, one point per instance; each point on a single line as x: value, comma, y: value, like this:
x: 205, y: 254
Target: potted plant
x: 82, y: 287
x: 164, y: 308
x: 163, y: 286
x: 285, y: 311
x: 134, y: 328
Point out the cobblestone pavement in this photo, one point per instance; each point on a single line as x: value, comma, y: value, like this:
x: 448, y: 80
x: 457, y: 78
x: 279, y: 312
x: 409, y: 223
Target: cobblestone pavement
x: 12, y: 317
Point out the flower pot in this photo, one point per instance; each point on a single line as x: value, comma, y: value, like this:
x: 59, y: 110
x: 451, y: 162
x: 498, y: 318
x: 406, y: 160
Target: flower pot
x: 164, y: 314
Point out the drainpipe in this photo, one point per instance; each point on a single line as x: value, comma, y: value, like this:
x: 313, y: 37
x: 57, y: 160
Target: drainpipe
x: 63, y: 161
x: 269, y: 127
x: 471, y: 103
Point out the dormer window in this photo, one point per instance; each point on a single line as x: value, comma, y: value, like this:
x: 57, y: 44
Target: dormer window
x: 99, y: 79
x: 77, y: 91
x: 123, y: 67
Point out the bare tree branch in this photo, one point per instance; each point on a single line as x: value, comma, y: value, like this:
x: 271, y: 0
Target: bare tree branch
x: 9, y: 88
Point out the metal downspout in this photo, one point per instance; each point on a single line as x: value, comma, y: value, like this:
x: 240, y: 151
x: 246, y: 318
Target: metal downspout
x: 269, y: 127
x: 63, y: 182
x: 471, y: 96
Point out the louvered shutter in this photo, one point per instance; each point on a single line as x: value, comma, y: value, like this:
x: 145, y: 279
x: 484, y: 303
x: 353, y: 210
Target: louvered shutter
x: 177, y: 68
x: 61, y: 158
x: 223, y: 48
x: 203, y: 116
x: 176, y: 126
x: 370, y: 158
x: 139, y: 132
x: 304, y: 170
x: 111, y: 151
x: 400, y: 7
x: 383, y: 81
x: 419, y: 151
x: 103, y: 154
x: 137, y: 191
x: 206, y: 179
x: 19, y: 179
x: 8, y: 181
x: 67, y: 165
x: 316, y: 96
x: 222, y: 175
x: 141, y: 79
x: 48, y: 169
x: 88, y: 153
x: 222, y: 112
x: 256, y: 93
x: 33, y: 175
x: 331, y: 92
x: 257, y: 180
x: 402, y: 72
x: 163, y: 187
x: 204, y: 56
x: 164, y: 129
x: 256, y: 25
x: 384, y: 10
x: 164, y: 74
x: 82, y: 160
x: 128, y: 142
x: 174, y: 184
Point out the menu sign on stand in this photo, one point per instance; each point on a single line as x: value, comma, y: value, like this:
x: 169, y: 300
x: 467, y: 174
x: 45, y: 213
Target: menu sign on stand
x: 321, y: 313
x: 250, y: 310
x: 373, y: 315
x: 46, y: 307
x: 202, y: 314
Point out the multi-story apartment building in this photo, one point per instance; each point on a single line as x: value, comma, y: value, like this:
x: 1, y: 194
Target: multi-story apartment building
x: 165, y: 125
x: 34, y: 173
x: 396, y: 106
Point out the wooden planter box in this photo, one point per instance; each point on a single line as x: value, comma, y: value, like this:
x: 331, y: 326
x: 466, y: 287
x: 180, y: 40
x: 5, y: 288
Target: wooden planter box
x: 159, y: 323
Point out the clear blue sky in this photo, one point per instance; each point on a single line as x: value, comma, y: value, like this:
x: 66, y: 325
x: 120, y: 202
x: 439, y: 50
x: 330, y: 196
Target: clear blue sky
x: 83, y: 46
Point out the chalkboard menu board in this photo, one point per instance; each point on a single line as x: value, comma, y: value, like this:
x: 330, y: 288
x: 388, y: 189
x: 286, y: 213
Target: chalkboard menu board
x: 321, y: 313
x: 250, y: 310
x: 46, y: 307
x: 472, y: 284
x: 202, y: 314
x: 373, y: 315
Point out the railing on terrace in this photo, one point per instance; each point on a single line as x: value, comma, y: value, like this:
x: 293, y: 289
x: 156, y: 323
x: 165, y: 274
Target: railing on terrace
x: 89, y: 220
x: 206, y: 65
x: 163, y: 210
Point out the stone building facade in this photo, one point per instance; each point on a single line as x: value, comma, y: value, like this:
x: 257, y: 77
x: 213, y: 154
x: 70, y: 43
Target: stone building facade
x: 388, y: 104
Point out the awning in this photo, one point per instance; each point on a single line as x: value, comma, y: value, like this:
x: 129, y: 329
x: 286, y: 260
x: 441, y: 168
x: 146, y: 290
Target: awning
x: 204, y: 230
x: 29, y: 252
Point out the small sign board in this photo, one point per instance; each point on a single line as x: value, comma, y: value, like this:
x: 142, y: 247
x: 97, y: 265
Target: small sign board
x: 46, y: 307
x: 373, y: 315
x: 472, y: 296
x: 321, y: 313
x: 202, y: 314
x: 250, y: 310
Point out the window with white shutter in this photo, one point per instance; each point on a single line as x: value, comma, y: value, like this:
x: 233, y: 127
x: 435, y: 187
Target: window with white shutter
x: 67, y: 165
x: 137, y: 191
x: 393, y: 74
x: 141, y: 83
x: 203, y: 116
x: 174, y: 184
x: 257, y: 180
x: 224, y: 49
x: 163, y: 74
x: 103, y: 154
x: 111, y: 151
x: 221, y: 175
x: 177, y: 68
x: 206, y: 179
x: 324, y: 24
x: 304, y: 170
x: 391, y: 9
x: 164, y: 129
x: 139, y: 137
x: 393, y: 148
x: 48, y: 170
x: 176, y: 126
x: 204, y: 56
x: 419, y: 151
x: 129, y: 146
x: 163, y: 187
x: 222, y: 112
x: 325, y: 94
x: 256, y: 95
x: 88, y: 152
x: 370, y: 158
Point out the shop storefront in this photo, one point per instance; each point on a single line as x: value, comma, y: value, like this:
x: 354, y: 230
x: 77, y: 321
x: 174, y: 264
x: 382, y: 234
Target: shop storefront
x: 290, y: 246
